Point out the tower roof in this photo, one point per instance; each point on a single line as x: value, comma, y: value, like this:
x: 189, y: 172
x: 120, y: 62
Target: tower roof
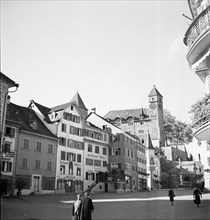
x: 78, y: 101
x: 155, y: 92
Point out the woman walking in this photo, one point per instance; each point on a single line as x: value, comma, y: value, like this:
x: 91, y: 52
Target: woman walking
x: 197, y: 196
x: 171, y: 196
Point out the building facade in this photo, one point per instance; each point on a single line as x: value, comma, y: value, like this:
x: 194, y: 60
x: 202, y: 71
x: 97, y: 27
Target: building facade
x: 7, y: 143
x: 33, y: 149
x: 96, y: 149
x: 127, y: 158
x: 67, y: 122
x: 139, y: 121
x: 198, y: 56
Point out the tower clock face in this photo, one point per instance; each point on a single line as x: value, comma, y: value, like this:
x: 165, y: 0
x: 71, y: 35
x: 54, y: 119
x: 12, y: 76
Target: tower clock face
x: 152, y: 106
x: 153, y: 109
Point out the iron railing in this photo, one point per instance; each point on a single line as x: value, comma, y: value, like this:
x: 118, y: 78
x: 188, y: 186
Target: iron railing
x: 198, y: 27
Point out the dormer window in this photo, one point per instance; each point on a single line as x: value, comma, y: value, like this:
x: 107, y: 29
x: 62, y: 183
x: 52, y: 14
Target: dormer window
x: 117, y: 121
x: 130, y: 121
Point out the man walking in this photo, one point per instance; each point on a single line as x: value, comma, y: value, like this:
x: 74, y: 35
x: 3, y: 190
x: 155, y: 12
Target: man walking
x: 87, y: 208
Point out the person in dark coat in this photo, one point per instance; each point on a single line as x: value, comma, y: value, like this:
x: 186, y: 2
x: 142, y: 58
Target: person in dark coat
x: 197, y: 196
x: 87, y: 208
x: 171, y: 196
x: 76, y: 208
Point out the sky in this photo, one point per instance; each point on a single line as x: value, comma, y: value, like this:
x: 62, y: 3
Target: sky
x: 111, y: 52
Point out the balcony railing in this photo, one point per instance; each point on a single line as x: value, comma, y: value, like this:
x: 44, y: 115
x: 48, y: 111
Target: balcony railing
x: 204, y: 120
x: 198, y: 26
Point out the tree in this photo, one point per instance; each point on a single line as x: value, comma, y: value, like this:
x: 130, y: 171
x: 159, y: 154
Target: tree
x: 200, y: 109
x: 176, y: 131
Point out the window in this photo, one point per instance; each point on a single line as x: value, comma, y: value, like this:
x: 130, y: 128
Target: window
x: 79, y: 158
x: 6, y: 147
x: 141, y: 122
x: 71, y: 170
x: 63, y: 155
x: 37, y: 164
x: 24, y: 163
x: 115, y: 151
x: 89, y: 161
x: 9, y: 132
x: 62, y: 141
x: 49, y: 166
x: 89, y: 148
x: 50, y: 149
x: 97, y: 163
x: 26, y: 144
x: 72, y: 107
x: 6, y: 166
x: 104, y: 151
x: 104, y: 163
x: 97, y: 149
x: 132, y: 154
x: 62, y: 169
x: 38, y: 146
x: 71, y: 157
x: 141, y: 131
x: 63, y: 127
x: 78, y: 171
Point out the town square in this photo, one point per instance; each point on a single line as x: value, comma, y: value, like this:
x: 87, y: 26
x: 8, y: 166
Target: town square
x: 105, y: 109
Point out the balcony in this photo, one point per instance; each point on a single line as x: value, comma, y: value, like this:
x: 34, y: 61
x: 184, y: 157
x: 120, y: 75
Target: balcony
x: 202, y: 128
x: 197, y: 37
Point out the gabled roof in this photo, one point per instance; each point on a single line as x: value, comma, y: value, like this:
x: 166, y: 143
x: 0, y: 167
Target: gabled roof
x: 60, y: 107
x: 25, y: 116
x: 78, y: 101
x: 10, y: 82
x: 43, y: 109
x: 126, y: 113
x: 155, y: 92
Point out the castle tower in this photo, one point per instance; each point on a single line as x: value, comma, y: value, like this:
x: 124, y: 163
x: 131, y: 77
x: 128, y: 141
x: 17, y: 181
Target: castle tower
x: 156, y: 116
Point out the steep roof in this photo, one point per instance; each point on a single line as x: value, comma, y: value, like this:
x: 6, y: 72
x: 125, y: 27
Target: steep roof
x: 124, y: 114
x: 155, y: 92
x: 78, y: 101
x: 60, y: 107
x: 26, y: 116
x: 10, y: 82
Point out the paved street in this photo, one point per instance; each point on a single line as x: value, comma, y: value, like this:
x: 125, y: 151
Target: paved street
x: 140, y: 205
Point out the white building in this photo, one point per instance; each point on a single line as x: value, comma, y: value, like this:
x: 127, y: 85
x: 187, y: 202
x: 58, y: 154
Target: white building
x: 67, y: 122
x: 96, y: 153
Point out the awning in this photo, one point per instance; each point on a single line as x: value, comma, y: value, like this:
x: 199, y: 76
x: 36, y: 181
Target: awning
x: 196, y: 64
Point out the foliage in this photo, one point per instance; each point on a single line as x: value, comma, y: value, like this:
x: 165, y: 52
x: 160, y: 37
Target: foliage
x: 176, y: 132
x: 166, y: 165
x: 21, y: 183
x: 200, y: 109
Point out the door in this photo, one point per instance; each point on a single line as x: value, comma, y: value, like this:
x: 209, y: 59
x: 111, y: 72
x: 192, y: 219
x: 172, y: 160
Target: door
x: 36, y: 183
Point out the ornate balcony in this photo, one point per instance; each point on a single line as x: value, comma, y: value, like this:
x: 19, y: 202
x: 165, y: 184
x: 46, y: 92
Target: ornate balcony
x: 197, y: 37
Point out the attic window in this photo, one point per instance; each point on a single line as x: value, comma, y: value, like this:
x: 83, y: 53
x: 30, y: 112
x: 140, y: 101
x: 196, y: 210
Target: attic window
x: 33, y: 125
x: 72, y: 107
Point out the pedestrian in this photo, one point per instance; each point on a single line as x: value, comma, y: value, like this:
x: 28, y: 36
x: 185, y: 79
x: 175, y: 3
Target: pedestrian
x: 171, y: 196
x: 197, y: 196
x: 87, y: 208
x: 76, y: 209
